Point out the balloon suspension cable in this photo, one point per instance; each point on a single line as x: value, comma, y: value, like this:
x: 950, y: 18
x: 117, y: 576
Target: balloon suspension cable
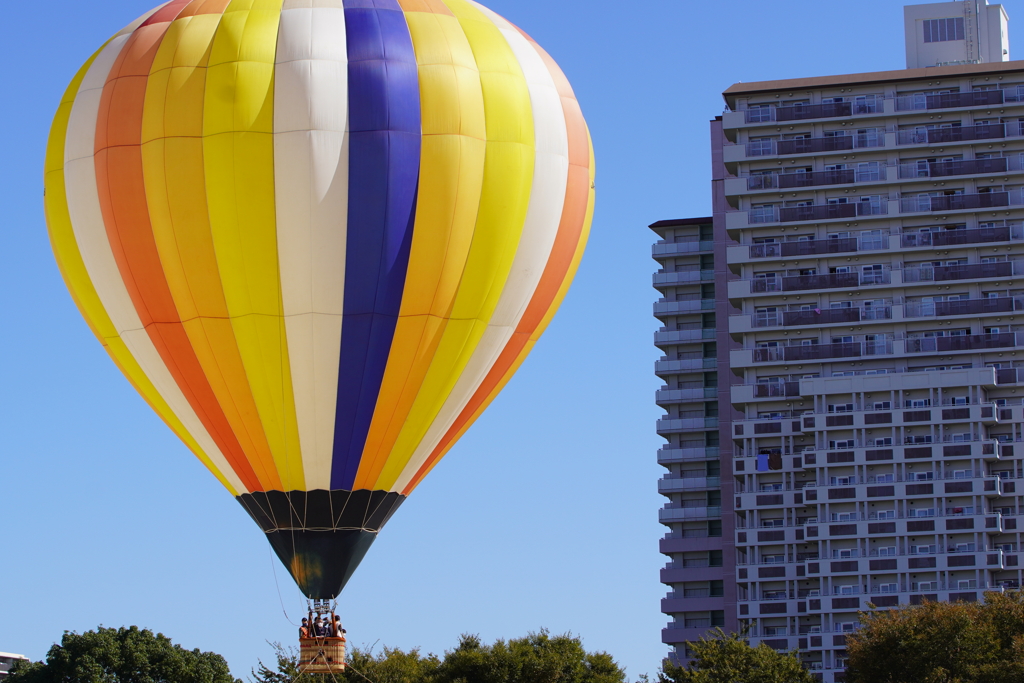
x: 273, y: 568
x: 349, y: 666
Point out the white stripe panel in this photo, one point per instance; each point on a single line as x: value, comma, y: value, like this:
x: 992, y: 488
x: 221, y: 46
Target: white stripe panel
x: 311, y: 189
x: 543, y: 216
x: 91, y: 235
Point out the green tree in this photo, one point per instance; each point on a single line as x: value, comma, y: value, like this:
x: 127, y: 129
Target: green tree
x: 729, y: 658
x: 940, y: 642
x: 536, y: 658
x: 123, y: 655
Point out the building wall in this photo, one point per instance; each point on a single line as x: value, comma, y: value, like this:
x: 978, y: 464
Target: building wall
x: 869, y: 312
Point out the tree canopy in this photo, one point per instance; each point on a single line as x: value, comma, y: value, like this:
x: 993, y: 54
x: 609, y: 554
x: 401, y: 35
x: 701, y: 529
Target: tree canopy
x: 729, y: 658
x: 537, y: 658
x: 940, y: 642
x: 122, y: 655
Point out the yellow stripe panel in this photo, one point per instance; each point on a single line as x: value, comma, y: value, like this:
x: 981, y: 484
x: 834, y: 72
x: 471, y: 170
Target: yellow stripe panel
x: 562, y: 291
x: 238, y: 151
x: 172, y: 153
x: 451, y: 178
x: 76, y: 277
x: 508, y: 175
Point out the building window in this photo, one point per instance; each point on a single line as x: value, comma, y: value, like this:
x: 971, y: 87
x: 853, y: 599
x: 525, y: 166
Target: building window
x: 939, y: 30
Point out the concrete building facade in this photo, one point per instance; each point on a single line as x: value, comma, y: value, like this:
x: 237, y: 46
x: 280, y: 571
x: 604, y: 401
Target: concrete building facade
x: 859, y: 292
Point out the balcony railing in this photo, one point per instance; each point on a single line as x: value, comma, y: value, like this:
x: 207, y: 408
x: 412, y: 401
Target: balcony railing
x: 836, y: 315
x: 965, y: 342
x: 964, y: 271
x: 954, y: 202
x: 1009, y: 375
x: 799, y: 112
x: 799, y: 352
x: 681, y: 245
x: 941, y: 169
x: 1003, y: 304
x: 945, y: 238
x: 781, y: 181
x: 985, y: 131
x: 668, y: 513
x: 795, y: 283
x: 949, y: 100
x: 767, y: 389
x: 827, y: 211
x: 834, y: 245
x: 832, y: 143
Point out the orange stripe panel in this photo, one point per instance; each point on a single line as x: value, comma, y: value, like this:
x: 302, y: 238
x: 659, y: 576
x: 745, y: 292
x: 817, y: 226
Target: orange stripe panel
x: 431, y: 6
x: 126, y: 216
x: 567, y: 243
x: 176, y: 186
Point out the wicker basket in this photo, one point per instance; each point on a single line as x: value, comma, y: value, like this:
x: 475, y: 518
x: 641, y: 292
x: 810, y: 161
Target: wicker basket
x: 321, y: 655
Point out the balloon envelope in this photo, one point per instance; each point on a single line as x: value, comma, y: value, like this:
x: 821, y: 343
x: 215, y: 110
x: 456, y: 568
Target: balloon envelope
x: 318, y: 237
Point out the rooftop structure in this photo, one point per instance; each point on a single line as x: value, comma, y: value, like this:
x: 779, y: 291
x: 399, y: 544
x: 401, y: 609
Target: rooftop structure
x: 963, y: 32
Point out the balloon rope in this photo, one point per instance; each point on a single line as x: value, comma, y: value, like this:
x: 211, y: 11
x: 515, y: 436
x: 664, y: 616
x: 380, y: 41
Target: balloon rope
x: 349, y: 666
x: 273, y: 568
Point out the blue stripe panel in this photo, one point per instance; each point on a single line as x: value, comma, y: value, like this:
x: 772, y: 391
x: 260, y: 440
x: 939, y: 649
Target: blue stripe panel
x: 384, y: 159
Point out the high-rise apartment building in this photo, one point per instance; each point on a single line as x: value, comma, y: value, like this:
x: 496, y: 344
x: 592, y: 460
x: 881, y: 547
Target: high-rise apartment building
x: 844, y: 355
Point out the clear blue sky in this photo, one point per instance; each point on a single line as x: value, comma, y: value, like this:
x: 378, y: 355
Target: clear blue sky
x: 544, y: 514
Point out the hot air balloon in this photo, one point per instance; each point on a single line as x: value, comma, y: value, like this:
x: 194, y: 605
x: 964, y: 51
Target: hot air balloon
x: 318, y: 237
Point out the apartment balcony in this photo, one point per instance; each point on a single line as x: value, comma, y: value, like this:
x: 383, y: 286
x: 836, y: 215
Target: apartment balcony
x: 913, y: 417
x: 801, y: 112
x: 743, y: 323
x: 669, y: 396
x: 807, y: 352
x: 668, y: 455
x: 745, y: 393
x: 682, y: 276
x: 966, y: 271
x: 674, y: 425
x: 1009, y: 375
x: 681, y: 245
x: 943, y: 169
x: 691, y: 365
x: 922, y: 309
x: 933, y: 136
x: 966, y: 342
x: 833, y: 143
x: 690, y: 334
x: 958, y: 202
x: 947, y: 238
x: 673, y: 484
x: 781, y: 389
x: 782, y: 426
x: 821, y: 212
x: 677, y: 634
x: 832, y: 245
x: 978, y: 98
x: 691, y: 604
x: 797, y: 283
x: 664, y: 307
x: 783, y: 181
x: 669, y: 513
